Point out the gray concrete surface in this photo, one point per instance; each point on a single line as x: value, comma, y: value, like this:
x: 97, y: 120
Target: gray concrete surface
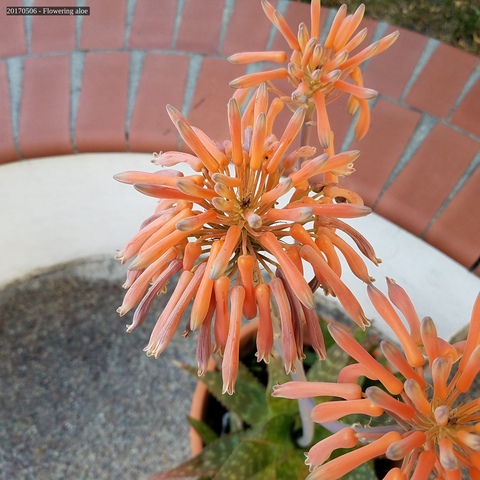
x: 79, y: 399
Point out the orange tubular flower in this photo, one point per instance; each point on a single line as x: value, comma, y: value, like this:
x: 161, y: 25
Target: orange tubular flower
x: 438, y: 427
x: 318, y: 73
x: 231, y: 212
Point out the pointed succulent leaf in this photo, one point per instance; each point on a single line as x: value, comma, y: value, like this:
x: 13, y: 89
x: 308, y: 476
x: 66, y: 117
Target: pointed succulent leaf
x: 291, y: 466
x: 248, y: 401
x: 208, y: 461
x: 206, y: 433
x: 268, y: 473
x: 261, y: 447
x: 327, y: 370
x: 276, y: 374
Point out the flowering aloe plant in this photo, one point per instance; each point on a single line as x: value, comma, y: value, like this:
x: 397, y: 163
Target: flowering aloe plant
x: 256, y: 212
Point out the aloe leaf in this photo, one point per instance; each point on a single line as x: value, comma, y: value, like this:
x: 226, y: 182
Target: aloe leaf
x: 206, y: 433
x: 268, y: 473
x: 327, y: 370
x: 261, y: 447
x: 248, y: 401
x: 208, y: 461
x: 292, y: 466
x: 276, y: 374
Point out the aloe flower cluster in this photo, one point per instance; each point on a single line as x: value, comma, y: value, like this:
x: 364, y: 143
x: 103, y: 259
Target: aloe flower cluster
x: 319, y: 72
x: 239, y: 232
x: 425, y: 385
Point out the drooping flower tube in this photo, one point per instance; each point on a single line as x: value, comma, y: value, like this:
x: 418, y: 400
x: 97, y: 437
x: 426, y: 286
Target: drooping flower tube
x: 239, y: 231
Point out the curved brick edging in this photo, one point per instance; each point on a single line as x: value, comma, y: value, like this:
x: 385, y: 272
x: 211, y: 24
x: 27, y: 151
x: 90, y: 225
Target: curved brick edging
x: 100, y: 83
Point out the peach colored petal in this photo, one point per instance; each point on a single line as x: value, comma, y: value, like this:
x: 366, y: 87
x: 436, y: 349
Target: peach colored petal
x: 230, y: 358
x: 291, y: 131
x: 447, y: 454
x: 246, y: 265
x: 323, y: 124
x: 289, y: 347
x: 357, y: 92
x: 402, y: 301
x: 253, y: 79
x: 388, y: 313
x: 276, y: 106
x: 296, y: 390
x: 473, y: 337
x: 299, y: 214
x: 385, y: 401
x: 261, y: 101
x: 265, y: 328
x: 293, y: 276
x: 341, y: 210
x: 397, y: 360
x: 346, y: 341
x: 315, y: 12
x: 144, y: 306
x: 424, y: 467
x: 308, y: 169
x: 221, y: 288
x: 284, y: 29
x: 428, y: 332
x: 191, y: 254
x: 192, y: 140
x: 336, y: 24
x: 345, y: 296
x: 258, y: 141
x: 347, y: 29
x: 195, y: 222
x: 150, y: 254
x: 204, y: 342
x: 230, y: 244
x: 315, y: 334
x: 403, y: 447
x: 170, y: 159
x: 343, y: 464
x: 137, y: 289
x: 440, y: 370
x: 251, y: 57
x: 204, y: 292
x: 363, y: 121
x: 321, y: 451
x: 469, y: 371
x: 330, y: 411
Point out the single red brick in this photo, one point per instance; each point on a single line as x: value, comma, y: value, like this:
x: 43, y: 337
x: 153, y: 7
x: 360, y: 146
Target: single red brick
x: 389, y: 72
x: 104, y: 28
x: 55, y: 33
x: 163, y: 79
x: 8, y: 151
x: 209, y: 105
x: 100, y: 125
x: 391, y: 129
x: 441, y: 81
x: 240, y: 36
x: 424, y: 184
x: 12, y: 32
x: 152, y: 26
x: 45, y: 107
x: 467, y: 115
x: 201, y: 26
x: 457, y: 230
